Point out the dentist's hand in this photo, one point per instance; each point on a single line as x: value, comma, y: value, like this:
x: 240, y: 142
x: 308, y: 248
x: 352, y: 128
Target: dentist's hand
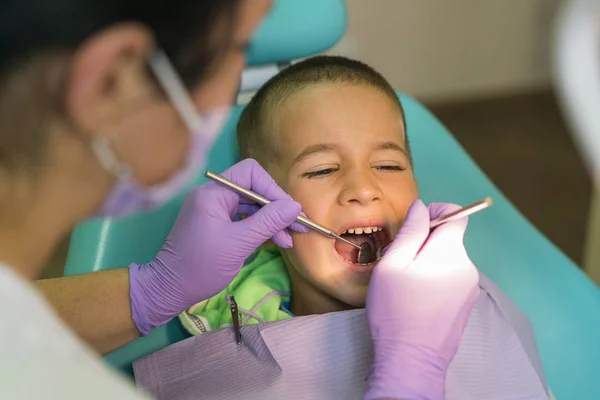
x: 206, y: 247
x: 420, y: 298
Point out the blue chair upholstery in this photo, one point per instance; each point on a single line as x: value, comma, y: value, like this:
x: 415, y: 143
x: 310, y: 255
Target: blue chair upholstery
x: 297, y: 29
x: 562, y: 303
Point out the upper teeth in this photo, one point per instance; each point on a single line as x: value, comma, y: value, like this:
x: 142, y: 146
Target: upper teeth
x: 366, y: 229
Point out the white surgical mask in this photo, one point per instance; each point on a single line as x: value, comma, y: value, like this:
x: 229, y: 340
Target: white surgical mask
x: 127, y: 196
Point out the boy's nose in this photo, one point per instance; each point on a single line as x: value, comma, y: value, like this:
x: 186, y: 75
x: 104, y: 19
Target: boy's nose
x: 360, y: 190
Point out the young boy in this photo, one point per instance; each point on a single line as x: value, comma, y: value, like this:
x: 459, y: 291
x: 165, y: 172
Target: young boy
x: 331, y: 132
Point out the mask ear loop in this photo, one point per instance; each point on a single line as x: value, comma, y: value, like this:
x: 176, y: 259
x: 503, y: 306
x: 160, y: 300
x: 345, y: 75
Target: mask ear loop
x: 108, y: 160
x: 172, y: 85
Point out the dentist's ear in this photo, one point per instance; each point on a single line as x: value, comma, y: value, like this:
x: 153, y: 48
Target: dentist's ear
x: 107, y: 76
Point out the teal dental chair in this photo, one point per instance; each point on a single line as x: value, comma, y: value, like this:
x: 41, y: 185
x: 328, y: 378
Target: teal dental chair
x: 562, y: 303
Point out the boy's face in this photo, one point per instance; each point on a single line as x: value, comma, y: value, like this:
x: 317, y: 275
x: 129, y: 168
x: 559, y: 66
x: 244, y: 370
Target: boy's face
x: 344, y: 159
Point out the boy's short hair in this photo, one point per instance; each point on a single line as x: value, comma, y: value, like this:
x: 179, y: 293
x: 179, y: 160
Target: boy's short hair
x: 254, y: 130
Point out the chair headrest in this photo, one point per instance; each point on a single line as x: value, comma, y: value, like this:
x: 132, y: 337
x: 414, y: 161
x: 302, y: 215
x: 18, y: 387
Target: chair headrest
x: 296, y: 29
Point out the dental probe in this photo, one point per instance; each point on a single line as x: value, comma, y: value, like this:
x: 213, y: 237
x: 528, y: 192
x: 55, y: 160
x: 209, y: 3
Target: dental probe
x: 463, y: 212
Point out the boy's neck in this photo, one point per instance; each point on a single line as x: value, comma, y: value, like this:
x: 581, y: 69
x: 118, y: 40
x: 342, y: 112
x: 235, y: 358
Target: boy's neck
x: 308, y: 300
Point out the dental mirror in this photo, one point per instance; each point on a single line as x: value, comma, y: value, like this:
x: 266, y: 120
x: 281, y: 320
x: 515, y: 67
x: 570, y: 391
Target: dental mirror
x: 365, y: 254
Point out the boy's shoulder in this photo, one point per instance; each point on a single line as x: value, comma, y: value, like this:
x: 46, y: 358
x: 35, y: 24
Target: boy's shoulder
x: 260, y: 290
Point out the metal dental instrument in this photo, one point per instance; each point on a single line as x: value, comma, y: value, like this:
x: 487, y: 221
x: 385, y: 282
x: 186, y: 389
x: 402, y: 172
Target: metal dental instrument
x: 365, y: 253
x: 463, y: 212
x: 235, y: 318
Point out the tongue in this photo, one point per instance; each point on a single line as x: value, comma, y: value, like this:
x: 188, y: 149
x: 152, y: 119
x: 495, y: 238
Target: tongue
x: 350, y: 252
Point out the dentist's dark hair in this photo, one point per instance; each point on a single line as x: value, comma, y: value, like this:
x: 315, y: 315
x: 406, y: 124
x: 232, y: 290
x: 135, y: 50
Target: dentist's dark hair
x: 182, y: 27
x: 34, y: 32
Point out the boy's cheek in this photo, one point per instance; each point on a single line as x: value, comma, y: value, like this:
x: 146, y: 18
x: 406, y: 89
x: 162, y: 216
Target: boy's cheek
x: 304, y: 249
x: 299, y: 241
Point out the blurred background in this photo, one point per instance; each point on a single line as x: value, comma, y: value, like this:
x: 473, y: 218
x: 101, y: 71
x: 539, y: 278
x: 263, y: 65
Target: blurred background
x: 484, y: 68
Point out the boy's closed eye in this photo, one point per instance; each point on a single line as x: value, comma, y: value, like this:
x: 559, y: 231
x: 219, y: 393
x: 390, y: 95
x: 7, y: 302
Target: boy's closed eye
x: 389, y: 167
x: 320, y: 172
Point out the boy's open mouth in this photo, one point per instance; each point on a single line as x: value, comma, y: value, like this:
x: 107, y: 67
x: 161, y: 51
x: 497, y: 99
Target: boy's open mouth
x: 377, y: 237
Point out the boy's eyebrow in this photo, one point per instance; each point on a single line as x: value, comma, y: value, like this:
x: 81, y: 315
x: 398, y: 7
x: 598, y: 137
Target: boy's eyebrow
x: 392, y: 146
x: 315, y: 148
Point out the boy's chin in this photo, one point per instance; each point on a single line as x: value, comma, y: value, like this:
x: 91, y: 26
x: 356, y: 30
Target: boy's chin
x: 354, y: 299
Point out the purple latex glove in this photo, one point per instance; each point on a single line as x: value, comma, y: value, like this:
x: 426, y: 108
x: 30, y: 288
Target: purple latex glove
x: 206, y: 248
x: 420, y: 298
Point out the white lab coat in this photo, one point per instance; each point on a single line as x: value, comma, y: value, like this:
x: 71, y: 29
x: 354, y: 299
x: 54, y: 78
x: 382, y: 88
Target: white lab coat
x: 40, y: 358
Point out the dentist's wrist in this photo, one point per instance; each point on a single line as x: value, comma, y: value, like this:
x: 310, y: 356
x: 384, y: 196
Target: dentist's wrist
x: 151, y: 303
